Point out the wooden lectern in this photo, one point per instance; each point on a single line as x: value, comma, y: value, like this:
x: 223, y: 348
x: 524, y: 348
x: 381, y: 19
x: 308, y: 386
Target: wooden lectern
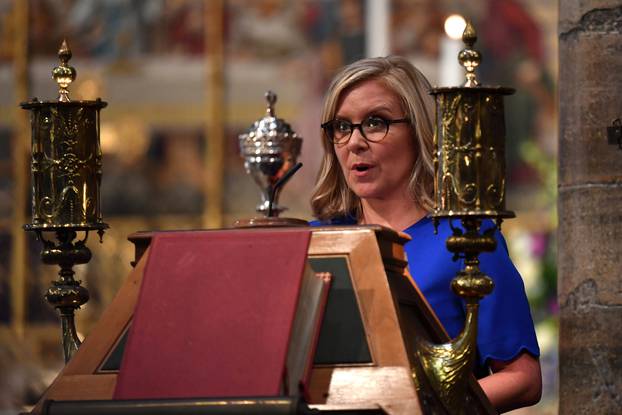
x: 364, y: 361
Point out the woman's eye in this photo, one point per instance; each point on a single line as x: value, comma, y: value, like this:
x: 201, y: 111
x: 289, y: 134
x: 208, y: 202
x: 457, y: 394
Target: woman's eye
x: 342, y: 126
x: 374, y: 122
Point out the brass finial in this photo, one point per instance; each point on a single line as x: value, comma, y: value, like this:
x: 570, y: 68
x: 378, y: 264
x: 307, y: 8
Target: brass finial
x: 64, y: 74
x: 271, y: 98
x: 469, y: 57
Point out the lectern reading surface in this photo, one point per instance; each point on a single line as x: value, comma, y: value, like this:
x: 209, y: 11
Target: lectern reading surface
x: 216, y: 316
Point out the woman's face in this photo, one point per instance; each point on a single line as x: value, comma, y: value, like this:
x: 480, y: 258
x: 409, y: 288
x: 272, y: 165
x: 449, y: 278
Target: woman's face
x: 375, y: 170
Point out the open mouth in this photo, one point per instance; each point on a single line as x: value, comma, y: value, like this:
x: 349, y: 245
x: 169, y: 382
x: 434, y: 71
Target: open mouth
x: 361, y: 167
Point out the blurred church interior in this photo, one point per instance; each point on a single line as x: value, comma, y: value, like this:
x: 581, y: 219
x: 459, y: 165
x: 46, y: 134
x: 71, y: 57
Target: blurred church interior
x: 183, y: 78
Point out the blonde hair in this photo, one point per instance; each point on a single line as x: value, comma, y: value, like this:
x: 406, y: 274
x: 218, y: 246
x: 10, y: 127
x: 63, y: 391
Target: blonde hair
x: 331, y: 196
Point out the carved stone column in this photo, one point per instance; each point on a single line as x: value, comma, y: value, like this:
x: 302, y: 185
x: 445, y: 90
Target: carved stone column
x: 590, y: 207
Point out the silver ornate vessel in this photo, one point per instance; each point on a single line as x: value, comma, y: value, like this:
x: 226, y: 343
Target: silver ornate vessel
x: 270, y: 150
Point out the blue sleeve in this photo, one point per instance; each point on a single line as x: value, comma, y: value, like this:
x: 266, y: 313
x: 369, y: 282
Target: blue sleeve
x: 338, y: 220
x: 505, y: 325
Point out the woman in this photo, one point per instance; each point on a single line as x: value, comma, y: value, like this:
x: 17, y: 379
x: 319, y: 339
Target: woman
x: 377, y: 126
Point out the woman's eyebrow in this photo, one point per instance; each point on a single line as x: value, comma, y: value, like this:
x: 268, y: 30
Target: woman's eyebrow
x: 379, y: 108
x: 370, y: 111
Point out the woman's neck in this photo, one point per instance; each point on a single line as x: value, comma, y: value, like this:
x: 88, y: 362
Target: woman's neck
x: 397, y: 214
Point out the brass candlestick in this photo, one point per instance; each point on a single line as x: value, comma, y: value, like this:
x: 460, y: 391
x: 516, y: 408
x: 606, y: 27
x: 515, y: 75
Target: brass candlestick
x: 469, y: 172
x: 66, y: 168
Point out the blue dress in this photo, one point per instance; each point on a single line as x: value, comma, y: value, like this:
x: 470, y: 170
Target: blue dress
x: 505, y: 326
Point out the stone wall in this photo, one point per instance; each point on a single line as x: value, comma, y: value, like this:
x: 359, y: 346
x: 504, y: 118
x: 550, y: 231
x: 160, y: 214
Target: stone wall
x: 590, y: 207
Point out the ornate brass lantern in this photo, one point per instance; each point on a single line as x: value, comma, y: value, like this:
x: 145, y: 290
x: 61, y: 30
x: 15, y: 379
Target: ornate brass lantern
x: 66, y: 169
x: 469, y: 173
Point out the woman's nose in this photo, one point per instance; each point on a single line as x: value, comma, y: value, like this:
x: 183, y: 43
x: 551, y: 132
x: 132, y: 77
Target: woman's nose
x: 357, y: 141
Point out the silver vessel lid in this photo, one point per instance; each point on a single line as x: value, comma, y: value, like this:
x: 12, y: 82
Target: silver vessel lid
x: 270, y: 127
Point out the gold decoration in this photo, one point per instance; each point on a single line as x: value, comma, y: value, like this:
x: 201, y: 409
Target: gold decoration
x: 66, y: 168
x: 469, y: 186
x: 469, y: 57
x: 64, y: 74
x: 448, y: 366
x: 469, y: 155
x: 66, y: 165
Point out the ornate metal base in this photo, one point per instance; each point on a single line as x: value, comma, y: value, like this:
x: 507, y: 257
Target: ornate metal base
x: 447, y: 367
x: 66, y: 294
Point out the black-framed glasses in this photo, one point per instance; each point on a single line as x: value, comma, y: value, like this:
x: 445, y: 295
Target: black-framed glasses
x: 372, y: 129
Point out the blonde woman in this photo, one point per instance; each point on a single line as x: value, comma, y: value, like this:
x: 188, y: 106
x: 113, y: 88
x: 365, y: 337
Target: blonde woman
x: 377, y: 127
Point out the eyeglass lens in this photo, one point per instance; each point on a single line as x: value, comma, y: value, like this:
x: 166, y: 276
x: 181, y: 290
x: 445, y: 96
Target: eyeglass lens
x: 372, y: 128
